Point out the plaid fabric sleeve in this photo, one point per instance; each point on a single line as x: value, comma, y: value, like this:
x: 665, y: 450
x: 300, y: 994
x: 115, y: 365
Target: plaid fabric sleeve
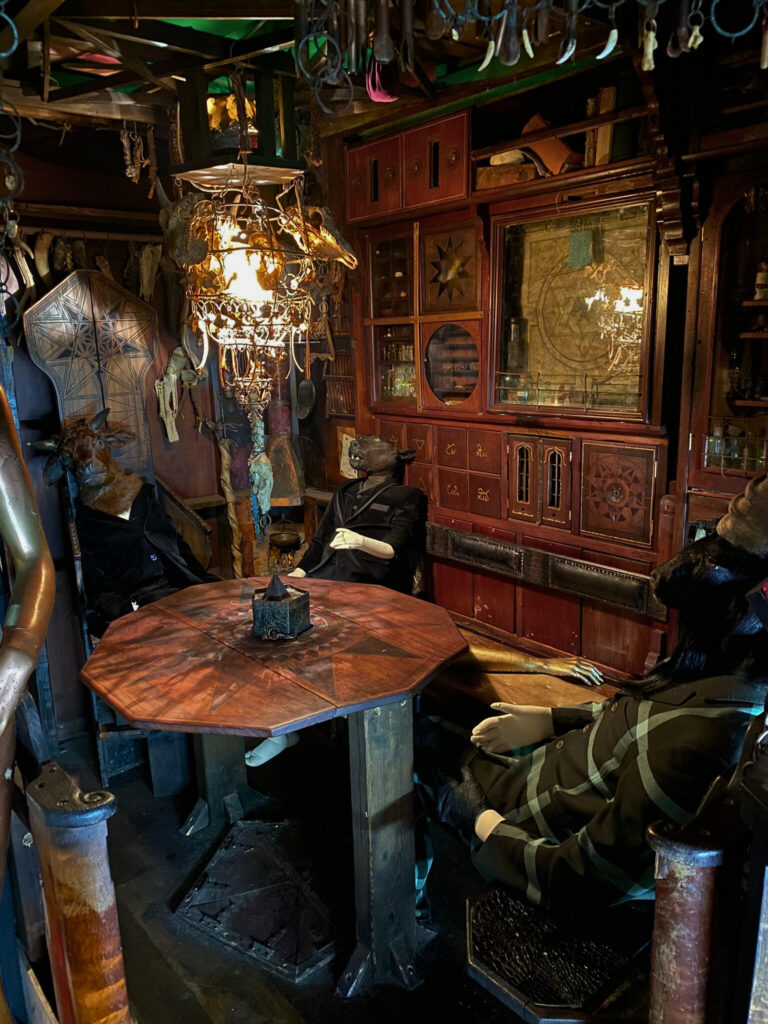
x: 608, y: 859
x: 574, y: 716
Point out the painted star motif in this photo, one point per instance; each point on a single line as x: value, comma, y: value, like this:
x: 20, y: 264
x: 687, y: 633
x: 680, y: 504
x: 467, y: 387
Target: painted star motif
x: 450, y: 269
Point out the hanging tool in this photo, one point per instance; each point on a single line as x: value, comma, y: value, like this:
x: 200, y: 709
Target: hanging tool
x: 305, y: 393
x: 407, y: 52
x: 525, y: 36
x: 650, y: 42
x: 435, y: 23
x: 507, y: 43
x: 383, y: 47
x: 678, y: 41
x: 543, y: 11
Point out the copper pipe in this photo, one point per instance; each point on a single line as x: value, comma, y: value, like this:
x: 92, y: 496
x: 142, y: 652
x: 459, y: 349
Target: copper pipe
x: 70, y: 833
x: 683, y: 937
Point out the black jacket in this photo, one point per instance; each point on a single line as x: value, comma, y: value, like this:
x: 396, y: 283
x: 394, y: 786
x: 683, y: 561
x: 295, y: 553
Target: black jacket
x: 135, y: 560
x: 391, y: 513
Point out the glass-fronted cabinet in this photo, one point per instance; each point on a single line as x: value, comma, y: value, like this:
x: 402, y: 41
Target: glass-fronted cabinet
x: 736, y: 438
x: 391, y: 318
x: 572, y: 323
x: 729, y: 421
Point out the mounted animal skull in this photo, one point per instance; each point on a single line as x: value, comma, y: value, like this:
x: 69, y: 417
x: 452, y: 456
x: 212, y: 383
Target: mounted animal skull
x: 316, y: 234
x: 83, y: 447
x: 176, y: 220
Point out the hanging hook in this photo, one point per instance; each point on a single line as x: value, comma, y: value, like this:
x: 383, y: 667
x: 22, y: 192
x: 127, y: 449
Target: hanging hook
x: 568, y: 44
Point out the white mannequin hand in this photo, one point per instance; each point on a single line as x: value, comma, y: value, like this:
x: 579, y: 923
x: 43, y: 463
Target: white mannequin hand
x: 348, y: 540
x: 519, y: 726
x: 297, y: 572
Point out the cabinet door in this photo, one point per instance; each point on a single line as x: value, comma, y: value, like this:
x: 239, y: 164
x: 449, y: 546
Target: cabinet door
x: 454, y: 490
x: 373, y: 179
x: 451, y: 365
x: 523, y: 477
x: 485, y: 495
x: 554, y: 482
x: 425, y: 478
x: 418, y: 437
x: 394, y: 431
x: 435, y: 162
x: 484, y: 449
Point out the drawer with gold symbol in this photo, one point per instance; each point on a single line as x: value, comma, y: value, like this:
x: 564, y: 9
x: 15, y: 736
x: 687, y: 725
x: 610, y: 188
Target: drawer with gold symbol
x: 484, y: 450
x: 485, y: 495
x: 453, y: 490
x: 452, y: 447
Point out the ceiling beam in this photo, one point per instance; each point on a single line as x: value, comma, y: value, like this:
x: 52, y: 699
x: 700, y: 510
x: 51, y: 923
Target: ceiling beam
x: 30, y: 17
x: 146, y: 10
x: 105, y: 108
x: 265, y: 48
x: 171, y: 38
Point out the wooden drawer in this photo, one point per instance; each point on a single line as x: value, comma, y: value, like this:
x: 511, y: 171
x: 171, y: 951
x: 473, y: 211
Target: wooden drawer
x: 485, y: 495
x: 484, y: 451
x: 494, y: 600
x: 374, y: 179
x: 452, y: 447
x: 425, y: 478
x: 440, y: 519
x: 393, y: 431
x: 435, y: 162
x: 419, y: 438
x: 454, y: 490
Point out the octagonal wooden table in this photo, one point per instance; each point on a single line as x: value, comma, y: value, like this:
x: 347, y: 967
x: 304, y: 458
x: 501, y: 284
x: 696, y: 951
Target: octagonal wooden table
x: 189, y: 663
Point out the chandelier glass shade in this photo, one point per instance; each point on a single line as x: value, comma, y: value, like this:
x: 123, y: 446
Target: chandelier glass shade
x: 250, y: 294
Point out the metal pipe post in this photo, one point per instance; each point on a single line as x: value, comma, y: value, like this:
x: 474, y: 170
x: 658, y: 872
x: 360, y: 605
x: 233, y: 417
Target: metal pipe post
x: 70, y: 832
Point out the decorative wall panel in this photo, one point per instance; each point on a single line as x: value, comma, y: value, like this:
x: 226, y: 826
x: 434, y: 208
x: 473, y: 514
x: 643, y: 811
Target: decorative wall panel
x: 617, y: 490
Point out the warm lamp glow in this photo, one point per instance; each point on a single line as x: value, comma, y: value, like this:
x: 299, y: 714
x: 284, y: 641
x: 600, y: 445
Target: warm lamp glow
x: 629, y: 301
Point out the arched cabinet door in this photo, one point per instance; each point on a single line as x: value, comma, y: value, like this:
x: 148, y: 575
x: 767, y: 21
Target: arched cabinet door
x: 728, y: 432
x: 523, y: 477
x: 539, y: 476
x: 555, y: 475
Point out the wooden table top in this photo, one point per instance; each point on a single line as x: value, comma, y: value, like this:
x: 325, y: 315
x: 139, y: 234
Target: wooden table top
x: 190, y: 662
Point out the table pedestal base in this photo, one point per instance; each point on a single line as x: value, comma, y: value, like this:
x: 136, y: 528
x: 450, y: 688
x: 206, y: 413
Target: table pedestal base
x: 222, y: 781
x: 381, y: 770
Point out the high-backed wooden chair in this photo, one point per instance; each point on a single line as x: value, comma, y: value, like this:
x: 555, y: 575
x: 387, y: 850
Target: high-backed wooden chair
x: 96, y: 342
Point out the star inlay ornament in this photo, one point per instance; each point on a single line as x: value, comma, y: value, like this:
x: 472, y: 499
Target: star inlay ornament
x: 451, y: 268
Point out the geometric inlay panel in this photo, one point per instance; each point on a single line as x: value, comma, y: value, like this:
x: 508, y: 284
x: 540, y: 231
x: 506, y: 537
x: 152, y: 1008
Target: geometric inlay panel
x: 617, y: 490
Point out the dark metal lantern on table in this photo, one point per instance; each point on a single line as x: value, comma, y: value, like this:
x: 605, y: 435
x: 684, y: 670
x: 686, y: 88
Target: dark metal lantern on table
x: 190, y: 663
x: 280, y: 612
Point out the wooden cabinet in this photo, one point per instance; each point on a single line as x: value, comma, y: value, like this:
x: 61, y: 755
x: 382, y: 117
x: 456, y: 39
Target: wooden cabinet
x: 540, y: 479
x: 435, y: 166
x: 421, y: 167
x: 451, y: 365
x: 374, y: 179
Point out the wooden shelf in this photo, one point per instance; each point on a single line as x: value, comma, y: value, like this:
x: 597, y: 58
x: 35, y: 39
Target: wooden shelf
x: 747, y: 303
x: 746, y: 403
x: 754, y: 335
x: 563, y: 132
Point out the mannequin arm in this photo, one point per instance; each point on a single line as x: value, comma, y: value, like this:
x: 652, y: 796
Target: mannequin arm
x: 482, y: 656
x: 348, y: 540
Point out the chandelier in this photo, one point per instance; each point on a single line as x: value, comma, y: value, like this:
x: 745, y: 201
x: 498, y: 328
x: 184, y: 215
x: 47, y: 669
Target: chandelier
x: 250, y: 271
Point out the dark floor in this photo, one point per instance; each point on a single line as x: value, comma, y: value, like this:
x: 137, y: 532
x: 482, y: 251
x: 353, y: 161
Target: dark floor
x: 176, y: 975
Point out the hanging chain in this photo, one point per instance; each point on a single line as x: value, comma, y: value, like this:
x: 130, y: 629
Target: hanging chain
x: 11, y: 184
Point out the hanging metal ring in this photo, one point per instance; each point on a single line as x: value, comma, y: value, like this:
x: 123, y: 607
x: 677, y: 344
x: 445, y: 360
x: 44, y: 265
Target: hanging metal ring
x: 15, y: 32
x: 756, y: 5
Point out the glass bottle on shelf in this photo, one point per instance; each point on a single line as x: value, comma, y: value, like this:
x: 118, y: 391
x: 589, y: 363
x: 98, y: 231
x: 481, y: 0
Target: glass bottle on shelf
x: 394, y: 362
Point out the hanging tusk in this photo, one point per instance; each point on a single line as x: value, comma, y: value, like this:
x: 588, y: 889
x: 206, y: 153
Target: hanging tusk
x: 610, y: 46
x: 569, y: 50
x: 489, y: 52
x: 42, y: 245
x: 527, y: 42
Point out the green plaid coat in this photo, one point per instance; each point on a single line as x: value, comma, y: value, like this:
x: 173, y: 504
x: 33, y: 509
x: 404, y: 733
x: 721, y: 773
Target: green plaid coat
x: 577, y: 808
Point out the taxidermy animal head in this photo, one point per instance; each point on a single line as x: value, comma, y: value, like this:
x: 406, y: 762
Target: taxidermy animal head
x: 83, y: 447
x: 176, y: 221
x: 709, y: 581
x: 317, y: 235
x: 371, y: 453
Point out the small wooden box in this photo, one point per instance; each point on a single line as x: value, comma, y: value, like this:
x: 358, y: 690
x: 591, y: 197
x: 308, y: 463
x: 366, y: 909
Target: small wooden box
x: 503, y: 174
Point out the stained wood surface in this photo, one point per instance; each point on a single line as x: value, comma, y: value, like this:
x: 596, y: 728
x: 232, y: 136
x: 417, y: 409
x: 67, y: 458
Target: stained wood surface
x: 190, y: 662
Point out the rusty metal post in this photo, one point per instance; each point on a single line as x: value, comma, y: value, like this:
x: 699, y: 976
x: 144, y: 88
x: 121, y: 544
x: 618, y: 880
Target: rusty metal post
x: 70, y: 833
x: 687, y: 863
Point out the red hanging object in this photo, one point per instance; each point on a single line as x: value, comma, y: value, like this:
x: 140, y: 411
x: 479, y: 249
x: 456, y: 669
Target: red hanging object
x: 382, y: 81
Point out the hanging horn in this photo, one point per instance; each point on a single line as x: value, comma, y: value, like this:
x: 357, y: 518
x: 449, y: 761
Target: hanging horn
x: 165, y: 202
x: 50, y: 444
x: 97, y: 422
